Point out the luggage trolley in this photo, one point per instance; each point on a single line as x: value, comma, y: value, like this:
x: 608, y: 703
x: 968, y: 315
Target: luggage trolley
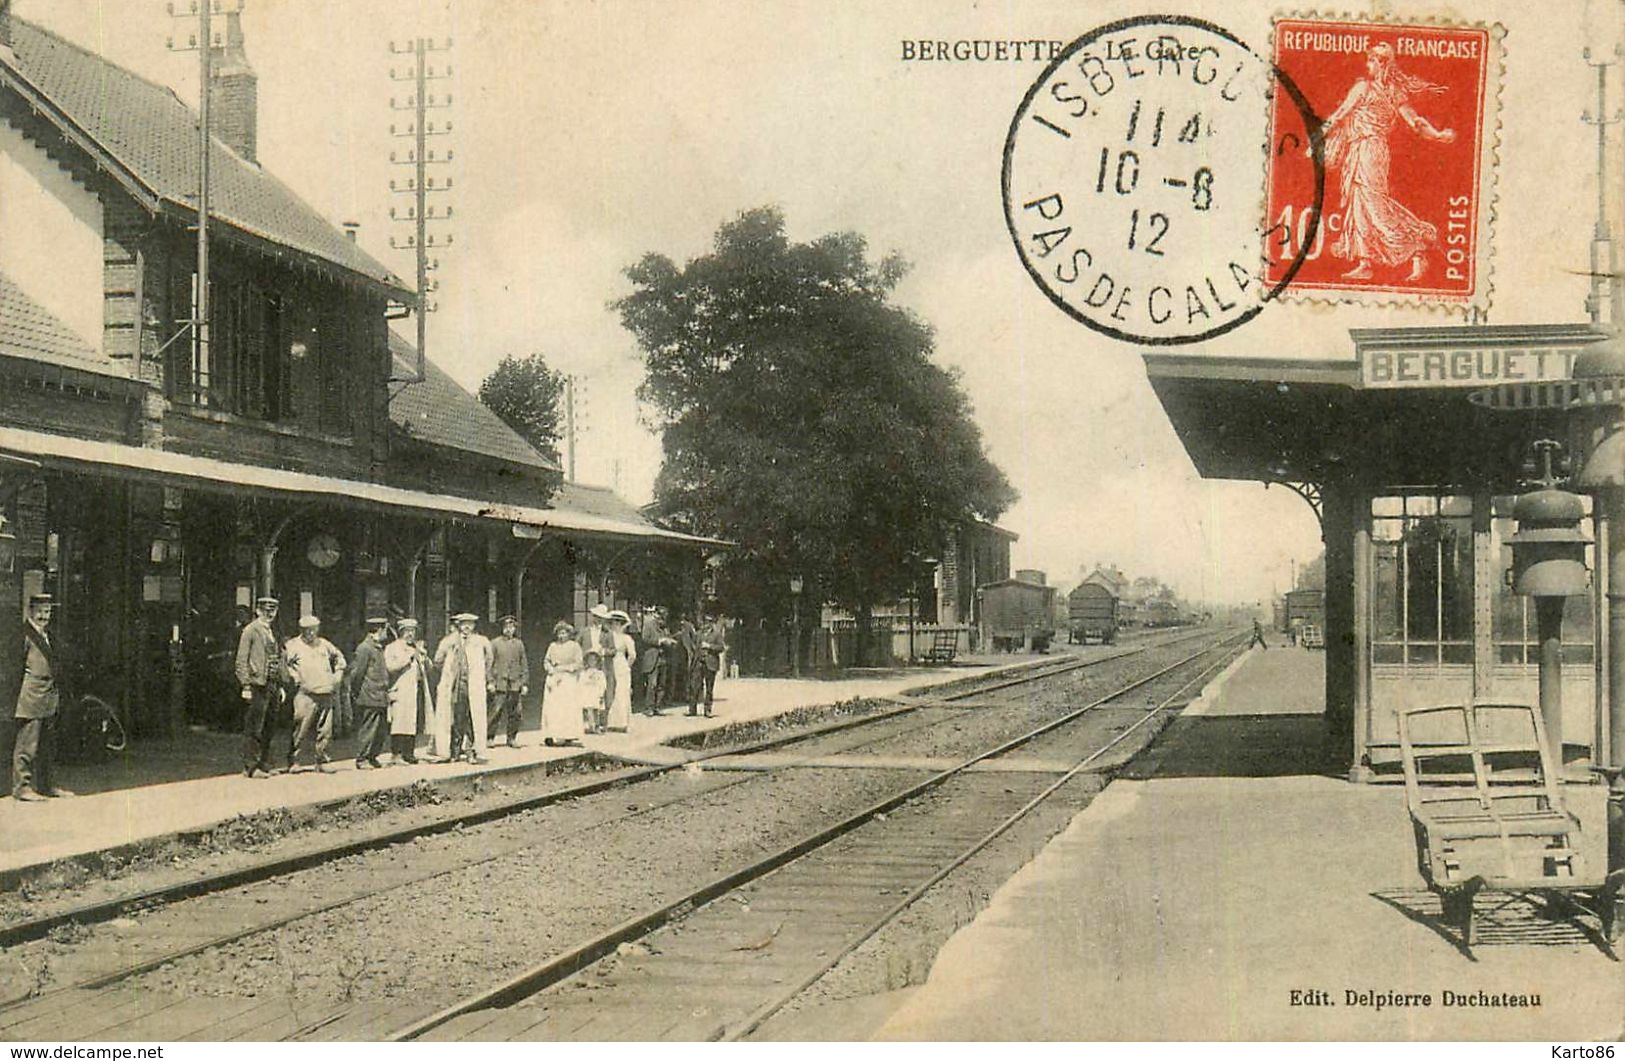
x: 1487, y: 808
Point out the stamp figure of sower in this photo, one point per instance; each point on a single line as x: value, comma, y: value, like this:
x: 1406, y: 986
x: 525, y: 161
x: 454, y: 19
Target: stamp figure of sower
x: 1376, y: 226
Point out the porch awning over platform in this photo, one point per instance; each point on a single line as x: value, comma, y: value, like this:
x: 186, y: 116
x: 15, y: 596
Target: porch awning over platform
x: 1270, y: 419
x: 180, y: 469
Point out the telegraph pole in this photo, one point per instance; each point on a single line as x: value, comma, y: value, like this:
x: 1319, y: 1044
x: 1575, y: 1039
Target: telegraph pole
x: 205, y: 62
x: 570, y: 428
x: 202, y: 39
x: 1603, y: 262
x: 420, y: 72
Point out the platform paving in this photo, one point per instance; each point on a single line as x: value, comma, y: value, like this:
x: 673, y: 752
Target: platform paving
x: 161, y: 788
x: 1191, y: 903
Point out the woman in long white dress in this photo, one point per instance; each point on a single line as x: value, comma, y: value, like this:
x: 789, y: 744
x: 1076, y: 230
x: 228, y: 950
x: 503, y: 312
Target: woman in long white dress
x: 620, y: 706
x: 561, y: 703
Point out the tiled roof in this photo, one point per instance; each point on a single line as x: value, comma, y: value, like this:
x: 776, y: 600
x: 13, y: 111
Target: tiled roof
x: 441, y: 412
x: 149, y: 132
x: 29, y: 330
x: 597, y: 501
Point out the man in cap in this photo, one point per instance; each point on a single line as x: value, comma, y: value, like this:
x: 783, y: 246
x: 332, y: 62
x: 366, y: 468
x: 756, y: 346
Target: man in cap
x: 369, y: 692
x: 713, y: 642
x: 597, y: 636
x: 464, y: 659
x: 33, y: 757
x: 315, y: 668
x: 259, y: 674
x: 510, y: 681
x: 653, y: 640
x: 408, y: 666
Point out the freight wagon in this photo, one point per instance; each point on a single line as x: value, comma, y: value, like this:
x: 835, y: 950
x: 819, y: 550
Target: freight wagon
x: 1159, y: 613
x: 1092, y: 614
x: 1017, y: 614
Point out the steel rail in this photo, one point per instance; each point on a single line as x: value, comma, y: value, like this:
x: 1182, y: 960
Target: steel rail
x: 191, y: 888
x: 102, y: 910
x: 1067, y: 666
x: 554, y: 969
x: 765, y: 1012
x: 243, y: 932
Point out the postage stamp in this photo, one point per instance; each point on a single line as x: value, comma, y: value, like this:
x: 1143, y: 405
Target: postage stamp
x: 1131, y: 174
x: 1406, y: 133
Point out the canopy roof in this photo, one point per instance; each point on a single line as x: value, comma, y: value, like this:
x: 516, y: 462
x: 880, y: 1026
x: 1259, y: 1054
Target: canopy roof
x: 1300, y: 420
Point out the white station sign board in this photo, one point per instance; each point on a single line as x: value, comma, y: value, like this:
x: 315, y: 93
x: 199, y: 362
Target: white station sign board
x: 1465, y: 366
x: 1471, y: 357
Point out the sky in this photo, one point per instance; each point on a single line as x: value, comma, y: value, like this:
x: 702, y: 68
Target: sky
x: 588, y: 134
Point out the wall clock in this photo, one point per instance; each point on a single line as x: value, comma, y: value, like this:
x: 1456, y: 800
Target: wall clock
x: 323, y: 551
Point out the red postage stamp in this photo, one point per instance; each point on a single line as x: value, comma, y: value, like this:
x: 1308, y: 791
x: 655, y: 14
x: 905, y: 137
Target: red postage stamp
x: 1407, y: 145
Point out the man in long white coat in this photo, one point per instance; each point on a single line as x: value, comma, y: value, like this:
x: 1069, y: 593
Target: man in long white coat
x: 408, y: 667
x: 464, y: 658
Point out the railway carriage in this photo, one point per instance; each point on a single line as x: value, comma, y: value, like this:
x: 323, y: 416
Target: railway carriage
x: 1161, y: 613
x: 1017, y: 614
x: 1092, y: 614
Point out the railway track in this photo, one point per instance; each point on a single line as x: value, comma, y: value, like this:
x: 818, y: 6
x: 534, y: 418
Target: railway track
x: 720, y: 961
x: 101, y: 910
x: 135, y: 954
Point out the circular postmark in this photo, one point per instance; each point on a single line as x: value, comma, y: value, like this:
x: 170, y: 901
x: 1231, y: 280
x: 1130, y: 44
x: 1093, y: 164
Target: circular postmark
x: 1133, y: 179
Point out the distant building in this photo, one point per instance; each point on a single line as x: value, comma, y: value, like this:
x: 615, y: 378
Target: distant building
x: 1304, y: 607
x: 976, y: 553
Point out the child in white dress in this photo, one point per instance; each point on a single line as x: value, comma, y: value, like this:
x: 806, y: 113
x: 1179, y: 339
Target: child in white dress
x: 592, y: 686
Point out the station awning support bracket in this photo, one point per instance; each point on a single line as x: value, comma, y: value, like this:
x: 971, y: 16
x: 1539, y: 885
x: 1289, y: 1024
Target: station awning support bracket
x: 1310, y: 492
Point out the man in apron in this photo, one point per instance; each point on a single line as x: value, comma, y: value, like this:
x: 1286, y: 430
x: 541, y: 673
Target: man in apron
x: 464, y: 659
x: 408, y: 668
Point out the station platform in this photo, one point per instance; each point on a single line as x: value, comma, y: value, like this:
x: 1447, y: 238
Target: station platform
x: 161, y: 788
x: 1195, y: 896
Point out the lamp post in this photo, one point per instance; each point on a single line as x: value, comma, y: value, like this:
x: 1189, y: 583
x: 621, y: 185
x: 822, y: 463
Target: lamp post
x: 1596, y: 423
x: 796, y: 586
x: 1591, y: 404
x: 913, y: 595
x: 1548, y: 563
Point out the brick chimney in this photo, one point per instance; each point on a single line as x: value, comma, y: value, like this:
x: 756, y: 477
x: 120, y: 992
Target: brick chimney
x: 5, y: 24
x: 233, y: 92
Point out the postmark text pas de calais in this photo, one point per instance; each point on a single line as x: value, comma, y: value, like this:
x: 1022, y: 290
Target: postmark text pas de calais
x: 1405, y: 140
x: 1133, y: 179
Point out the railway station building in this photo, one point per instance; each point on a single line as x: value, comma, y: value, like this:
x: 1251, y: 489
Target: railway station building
x: 155, y: 485
x: 1413, y: 483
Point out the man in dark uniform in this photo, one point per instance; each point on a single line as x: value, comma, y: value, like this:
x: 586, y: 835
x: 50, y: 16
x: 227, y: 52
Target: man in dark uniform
x: 653, y: 643
x: 509, y: 681
x: 680, y: 663
x: 675, y: 659
x: 369, y: 691
x: 1258, y: 636
x: 260, y: 674
x: 38, y: 698
x: 713, y: 642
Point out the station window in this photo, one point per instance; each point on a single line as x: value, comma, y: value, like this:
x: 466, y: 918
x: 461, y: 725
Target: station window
x: 1517, y: 644
x: 1422, y: 593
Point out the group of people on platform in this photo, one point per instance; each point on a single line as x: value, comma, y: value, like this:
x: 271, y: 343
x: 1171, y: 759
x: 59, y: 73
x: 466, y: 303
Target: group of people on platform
x: 470, y: 691
x: 595, y: 675
x: 467, y: 693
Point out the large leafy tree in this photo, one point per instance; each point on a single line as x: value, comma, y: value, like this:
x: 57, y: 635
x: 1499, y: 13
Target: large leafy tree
x: 803, y: 416
x: 525, y: 393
